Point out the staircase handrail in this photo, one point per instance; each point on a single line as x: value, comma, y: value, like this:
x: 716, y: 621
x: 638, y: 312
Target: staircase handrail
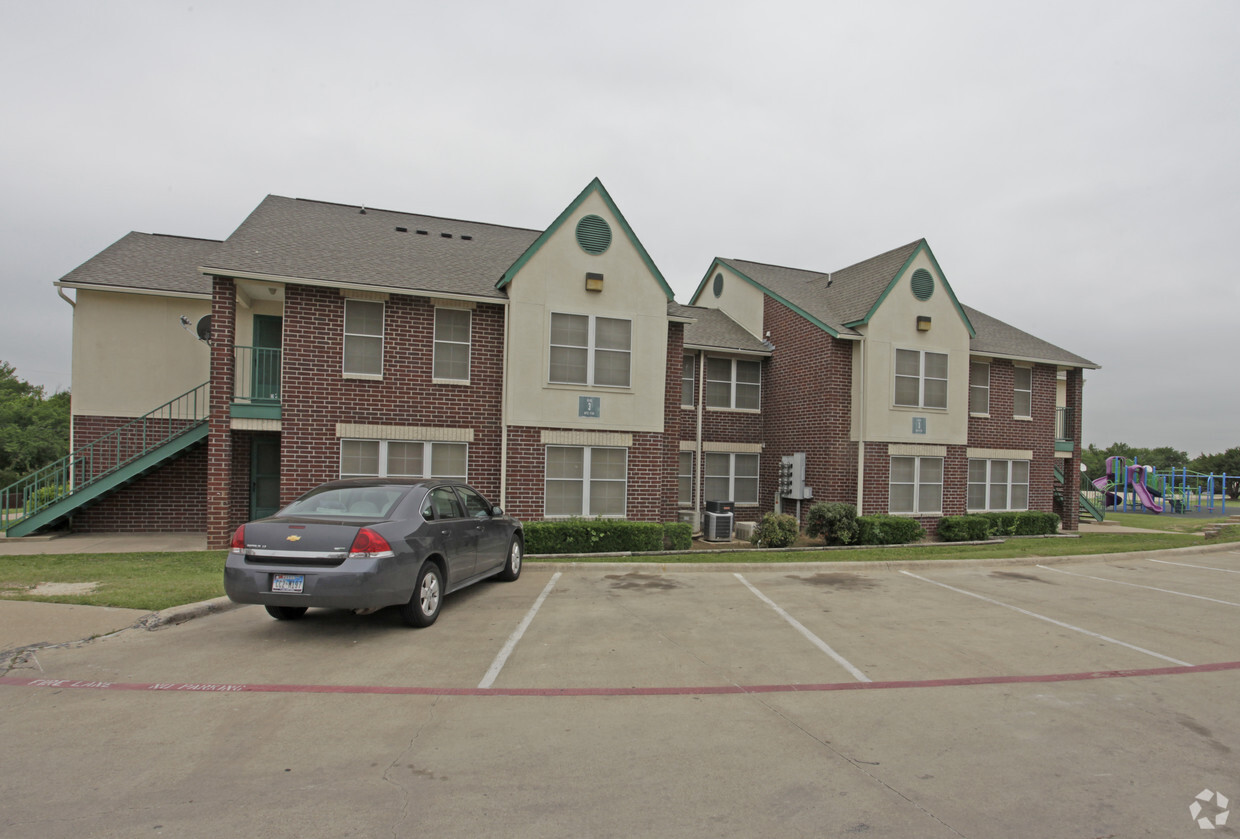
x: 44, y: 487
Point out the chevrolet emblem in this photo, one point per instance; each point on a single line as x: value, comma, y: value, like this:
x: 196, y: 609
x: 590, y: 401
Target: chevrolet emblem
x: 293, y: 538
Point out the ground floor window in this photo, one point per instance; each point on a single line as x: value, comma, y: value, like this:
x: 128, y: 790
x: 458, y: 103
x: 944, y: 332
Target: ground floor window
x: 916, y: 485
x: 586, y: 481
x: 402, y: 459
x: 998, y: 485
x: 684, y: 479
x: 730, y: 477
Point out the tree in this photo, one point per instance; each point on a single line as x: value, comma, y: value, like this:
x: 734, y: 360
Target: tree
x: 34, y: 428
x: 1227, y: 463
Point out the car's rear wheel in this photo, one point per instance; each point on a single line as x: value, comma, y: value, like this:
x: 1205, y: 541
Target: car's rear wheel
x: 286, y: 613
x: 423, y: 607
x: 512, y: 567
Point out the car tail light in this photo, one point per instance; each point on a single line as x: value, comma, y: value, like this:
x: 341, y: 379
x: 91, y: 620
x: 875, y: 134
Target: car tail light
x: 238, y: 539
x: 367, y: 543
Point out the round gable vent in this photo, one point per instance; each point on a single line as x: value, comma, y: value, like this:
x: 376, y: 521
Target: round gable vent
x: 593, y: 234
x: 922, y: 284
x: 718, y: 285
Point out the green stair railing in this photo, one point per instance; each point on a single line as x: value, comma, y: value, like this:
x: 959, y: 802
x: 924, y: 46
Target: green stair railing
x: 105, y: 455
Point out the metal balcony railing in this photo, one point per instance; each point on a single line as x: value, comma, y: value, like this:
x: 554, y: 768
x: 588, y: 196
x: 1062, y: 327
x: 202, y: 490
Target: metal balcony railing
x: 1063, y: 425
x: 256, y: 372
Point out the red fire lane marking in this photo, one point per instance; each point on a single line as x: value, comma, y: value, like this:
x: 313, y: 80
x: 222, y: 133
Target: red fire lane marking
x: 206, y: 687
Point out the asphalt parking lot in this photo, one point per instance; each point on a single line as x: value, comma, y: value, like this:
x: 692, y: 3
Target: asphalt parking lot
x: 1082, y: 699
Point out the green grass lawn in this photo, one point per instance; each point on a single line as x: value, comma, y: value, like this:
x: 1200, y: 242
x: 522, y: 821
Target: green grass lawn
x: 131, y: 581
x: 156, y: 581
x: 1162, y: 521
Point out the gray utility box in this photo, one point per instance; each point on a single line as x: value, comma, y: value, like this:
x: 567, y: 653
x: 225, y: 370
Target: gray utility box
x: 792, y: 477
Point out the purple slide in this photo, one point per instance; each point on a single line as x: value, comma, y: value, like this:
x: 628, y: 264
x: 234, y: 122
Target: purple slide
x: 1136, y: 480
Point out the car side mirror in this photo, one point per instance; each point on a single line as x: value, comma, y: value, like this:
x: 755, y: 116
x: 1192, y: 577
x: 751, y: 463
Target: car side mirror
x: 496, y: 511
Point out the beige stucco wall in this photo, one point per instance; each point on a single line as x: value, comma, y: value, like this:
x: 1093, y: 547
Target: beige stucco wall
x: 894, y: 326
x: 553, y: 280
x: 740, y: 300
x: 130, y: 353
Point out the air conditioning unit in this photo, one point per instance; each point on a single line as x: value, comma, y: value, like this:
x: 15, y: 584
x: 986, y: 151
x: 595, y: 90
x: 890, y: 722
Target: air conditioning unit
x: 717, y: 527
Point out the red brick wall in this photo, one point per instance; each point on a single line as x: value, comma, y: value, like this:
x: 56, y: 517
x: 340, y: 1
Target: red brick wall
x: 171, y: 498
x: 672, y: 417
x: 648, y: 475
x: 806, y: 407
x: 221, y: 514
x: 1002, y: 431
x: 315, y: 396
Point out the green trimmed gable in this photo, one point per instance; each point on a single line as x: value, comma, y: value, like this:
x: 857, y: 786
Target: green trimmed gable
x: 899, y: 278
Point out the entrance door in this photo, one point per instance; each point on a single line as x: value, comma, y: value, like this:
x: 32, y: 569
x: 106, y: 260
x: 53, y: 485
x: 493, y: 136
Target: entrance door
x: 264, y: 476
x: 265, y: 368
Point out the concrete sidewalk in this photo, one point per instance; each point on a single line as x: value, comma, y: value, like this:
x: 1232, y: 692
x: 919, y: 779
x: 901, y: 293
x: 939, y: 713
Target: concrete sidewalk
x: 103, y: 543
x: 30, y: 624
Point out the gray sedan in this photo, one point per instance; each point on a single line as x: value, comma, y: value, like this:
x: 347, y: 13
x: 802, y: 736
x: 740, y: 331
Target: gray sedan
x: 366, y: 543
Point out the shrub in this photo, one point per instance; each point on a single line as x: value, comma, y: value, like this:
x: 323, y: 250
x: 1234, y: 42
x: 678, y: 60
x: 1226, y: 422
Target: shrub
x: 887, y: 530
x: 776, y: 530
x: 573, y: 536
x: 964, y: 528
x: 836, y: 522
x: 677, y: 536
x: 1027, y: 523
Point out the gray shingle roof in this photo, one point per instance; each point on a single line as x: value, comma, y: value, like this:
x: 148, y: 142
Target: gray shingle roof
x: 846, y: 296
x: 714, y: 330
x: 994, y: 337
x: 148, y: 261
x: 312, y: 240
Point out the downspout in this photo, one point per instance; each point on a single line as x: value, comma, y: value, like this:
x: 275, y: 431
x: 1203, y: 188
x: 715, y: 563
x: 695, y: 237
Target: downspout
x: 698, y: 466
x: 861, y: 432
x: 65, y: 297
x: 60, y: 291
x: 503, y: 416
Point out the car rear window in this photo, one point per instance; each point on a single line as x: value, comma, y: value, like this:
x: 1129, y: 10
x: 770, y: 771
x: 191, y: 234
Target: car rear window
x: 362, y: 502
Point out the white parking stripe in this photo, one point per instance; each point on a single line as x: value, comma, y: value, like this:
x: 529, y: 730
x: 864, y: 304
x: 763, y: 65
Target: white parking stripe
x: 1186, y: 565
x: 1049, y: 620
x: 510, y: 645
x: 1137, y: 585
x: 811, y: 637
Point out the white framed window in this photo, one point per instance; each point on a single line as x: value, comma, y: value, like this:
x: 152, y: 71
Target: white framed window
x: 590, y: 350
x: 733, y: 383
x: 915, y: 485
x: 921, y: 379
x: 452, y: 344
x: 1022, y: 392
x: 586, y: 481
x: 979, y: 387
x: 684, y: 479
x: 363, y: 337
x: 688, y: 381
x: 998, y: 485
x: 402, y: 459
x: 730, y: 477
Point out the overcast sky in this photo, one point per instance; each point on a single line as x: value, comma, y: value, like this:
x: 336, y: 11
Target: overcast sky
x: 1075, y: 166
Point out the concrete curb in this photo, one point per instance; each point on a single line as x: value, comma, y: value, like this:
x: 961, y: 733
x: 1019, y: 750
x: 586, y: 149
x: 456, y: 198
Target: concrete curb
x: 188, y: 612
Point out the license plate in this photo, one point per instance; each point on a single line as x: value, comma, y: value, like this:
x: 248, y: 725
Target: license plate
x: 290, y: 583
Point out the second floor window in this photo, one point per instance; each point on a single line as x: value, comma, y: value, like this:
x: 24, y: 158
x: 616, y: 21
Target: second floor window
x: 921, y: 379
x: 590, y: 350
x: 451, y: 344
x: 363, y: 337
x: 1022, y: 392
x: 979, y: 387
x: 688, y: 381
x: 733, y: 383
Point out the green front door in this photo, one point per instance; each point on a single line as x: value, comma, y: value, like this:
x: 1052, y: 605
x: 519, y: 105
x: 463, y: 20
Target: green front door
x: 265, y: 369
x: 264, y: 476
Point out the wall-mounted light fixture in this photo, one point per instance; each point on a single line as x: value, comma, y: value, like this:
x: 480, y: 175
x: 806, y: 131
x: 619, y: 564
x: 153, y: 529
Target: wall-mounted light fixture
x: 594, y: 282
x: 923, y: 323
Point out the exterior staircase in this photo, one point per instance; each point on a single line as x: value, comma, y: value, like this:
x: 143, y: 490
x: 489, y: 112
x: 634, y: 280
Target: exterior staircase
x: 1088, y: 507
x: 119, y: 457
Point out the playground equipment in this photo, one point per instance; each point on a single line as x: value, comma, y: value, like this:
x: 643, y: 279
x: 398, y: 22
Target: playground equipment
x: 1132, y: 487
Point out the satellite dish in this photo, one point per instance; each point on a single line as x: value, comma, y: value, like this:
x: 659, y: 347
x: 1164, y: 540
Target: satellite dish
x: 203, y: 329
